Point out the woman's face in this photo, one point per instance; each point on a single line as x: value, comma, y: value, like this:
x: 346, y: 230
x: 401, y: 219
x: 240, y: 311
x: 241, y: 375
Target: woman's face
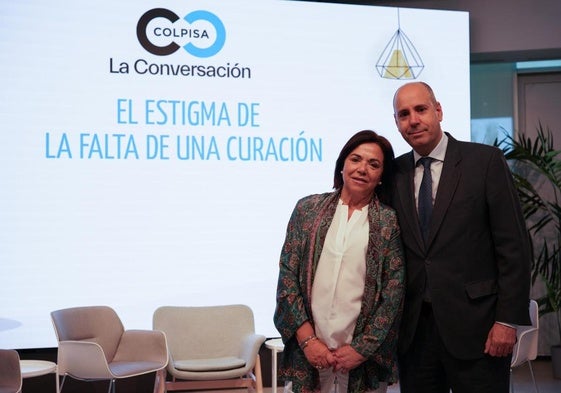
x: 362, y: 170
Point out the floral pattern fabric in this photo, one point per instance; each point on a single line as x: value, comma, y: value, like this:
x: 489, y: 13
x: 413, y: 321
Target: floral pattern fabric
x: 375, y: 335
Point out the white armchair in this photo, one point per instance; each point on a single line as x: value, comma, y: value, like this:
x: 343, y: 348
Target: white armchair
x: 212, y: 347
x: 10, y: 371
x: 526, y: 348
x: 93, y: 345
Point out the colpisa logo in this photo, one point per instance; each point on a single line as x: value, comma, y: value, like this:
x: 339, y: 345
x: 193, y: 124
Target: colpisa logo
x: 151, y: 29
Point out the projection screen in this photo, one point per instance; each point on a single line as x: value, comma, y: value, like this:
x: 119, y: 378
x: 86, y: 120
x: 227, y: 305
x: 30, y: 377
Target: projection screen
x: 151, y: 152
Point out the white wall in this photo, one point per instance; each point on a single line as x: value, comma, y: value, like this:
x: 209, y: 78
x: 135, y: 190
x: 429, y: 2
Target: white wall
x: 500, y: 30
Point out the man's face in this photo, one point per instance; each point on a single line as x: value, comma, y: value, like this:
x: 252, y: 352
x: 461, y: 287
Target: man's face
x: 418, y: 116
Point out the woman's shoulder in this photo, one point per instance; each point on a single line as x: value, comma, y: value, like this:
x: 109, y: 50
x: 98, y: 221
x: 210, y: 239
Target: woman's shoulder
x: 387, y: 212
x: 315, y: 199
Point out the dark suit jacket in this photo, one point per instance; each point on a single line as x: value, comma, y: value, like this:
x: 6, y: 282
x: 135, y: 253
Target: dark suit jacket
x: 477, y: 260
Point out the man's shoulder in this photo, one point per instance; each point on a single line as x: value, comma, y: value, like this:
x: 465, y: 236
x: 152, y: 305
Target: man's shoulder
x: 475, y: 152
x: 463, y: 148
x: 404, y: 161
x: 404, y: 156
x: 472, y: 146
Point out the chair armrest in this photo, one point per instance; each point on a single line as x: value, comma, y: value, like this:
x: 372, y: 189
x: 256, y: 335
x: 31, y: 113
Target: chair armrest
x: 526, y: 347
x: 523, y: 330
x: 250, y: 347
x: 82, y: 359
x: 142, y: 345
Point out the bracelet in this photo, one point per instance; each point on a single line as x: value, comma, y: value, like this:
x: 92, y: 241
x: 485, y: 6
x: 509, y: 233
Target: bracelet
x: 304, y: 343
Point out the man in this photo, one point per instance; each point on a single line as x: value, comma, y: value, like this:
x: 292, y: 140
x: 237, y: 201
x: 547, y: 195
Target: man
x: 468, y: 278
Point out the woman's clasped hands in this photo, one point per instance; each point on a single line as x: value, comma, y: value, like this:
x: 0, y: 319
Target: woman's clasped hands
x: 342, y: 359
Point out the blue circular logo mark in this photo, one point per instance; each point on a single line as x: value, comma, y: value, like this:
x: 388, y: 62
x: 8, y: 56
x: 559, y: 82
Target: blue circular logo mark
x: 195, y: 16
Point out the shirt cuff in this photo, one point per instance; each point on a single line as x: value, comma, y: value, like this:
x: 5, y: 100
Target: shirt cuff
x: 510, y: 325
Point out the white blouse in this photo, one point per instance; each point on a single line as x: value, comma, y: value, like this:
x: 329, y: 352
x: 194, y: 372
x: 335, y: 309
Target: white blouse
x: 339, y: 280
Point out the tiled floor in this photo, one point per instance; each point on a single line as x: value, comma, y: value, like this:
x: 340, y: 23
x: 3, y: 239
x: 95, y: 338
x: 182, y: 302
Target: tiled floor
x: 543, y: 372
x: 522, y: 378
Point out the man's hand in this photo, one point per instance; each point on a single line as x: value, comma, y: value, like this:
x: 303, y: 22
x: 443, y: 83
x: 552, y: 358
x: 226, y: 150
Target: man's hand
x: 500, y: 341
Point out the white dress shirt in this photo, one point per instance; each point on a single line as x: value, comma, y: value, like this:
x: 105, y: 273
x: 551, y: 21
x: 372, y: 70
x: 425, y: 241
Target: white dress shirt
x: 437, y: 155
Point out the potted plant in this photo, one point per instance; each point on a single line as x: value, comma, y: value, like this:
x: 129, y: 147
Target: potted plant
x: 536, y: 167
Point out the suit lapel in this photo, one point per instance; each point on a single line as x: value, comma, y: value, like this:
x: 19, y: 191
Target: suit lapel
x: 405, y: 184
x: 449, y: 180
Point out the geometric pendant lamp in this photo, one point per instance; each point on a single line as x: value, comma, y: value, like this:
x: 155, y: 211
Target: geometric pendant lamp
x: 400, y: 59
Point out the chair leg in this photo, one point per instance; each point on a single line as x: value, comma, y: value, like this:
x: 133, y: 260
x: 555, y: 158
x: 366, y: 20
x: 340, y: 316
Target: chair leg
x: 258, y: 375
x: 531, y: 373
x: 111, y: 386
x: 160, y: 381
x: 533, y: 377
x: 62, y: 383
x: 57, y: 382
x: 511, y: 383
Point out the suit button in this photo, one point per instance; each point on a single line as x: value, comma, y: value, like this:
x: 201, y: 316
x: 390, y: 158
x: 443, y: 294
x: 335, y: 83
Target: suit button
x: 427, y: 261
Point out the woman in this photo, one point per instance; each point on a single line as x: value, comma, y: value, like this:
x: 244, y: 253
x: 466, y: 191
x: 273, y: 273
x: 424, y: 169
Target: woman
x: 341, y: 279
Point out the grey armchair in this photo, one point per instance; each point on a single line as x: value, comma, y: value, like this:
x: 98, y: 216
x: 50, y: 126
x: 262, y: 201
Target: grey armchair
x: 93, y: 345
x: 211, y: 347
x: 10, y: 371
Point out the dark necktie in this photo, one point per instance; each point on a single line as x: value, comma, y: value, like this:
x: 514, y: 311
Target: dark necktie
x: 425, y: 197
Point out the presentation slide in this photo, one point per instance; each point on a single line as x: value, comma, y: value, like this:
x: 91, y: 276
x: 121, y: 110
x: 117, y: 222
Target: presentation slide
x: 151, y: 152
